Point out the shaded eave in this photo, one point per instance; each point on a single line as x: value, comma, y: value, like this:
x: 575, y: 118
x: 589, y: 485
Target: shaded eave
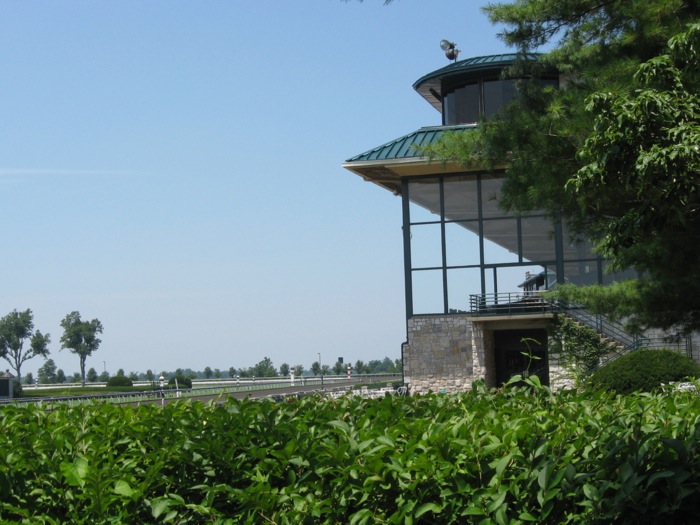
x: 385, y: 165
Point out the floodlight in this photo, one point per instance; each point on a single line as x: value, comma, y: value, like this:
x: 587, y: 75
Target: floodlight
x: 449, y: 48
x: 446, y: 44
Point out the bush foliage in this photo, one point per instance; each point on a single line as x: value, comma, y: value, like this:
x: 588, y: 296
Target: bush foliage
x: 119, y: 380
x: 182, y: 381
x: 644, y: 371
x: 518, y: 456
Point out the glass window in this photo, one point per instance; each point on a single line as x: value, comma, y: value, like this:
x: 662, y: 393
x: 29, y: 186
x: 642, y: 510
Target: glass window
x: 461, y: 106
x: 461, y: 199
x: 427, y: 292
x: 426, y: 246
x: 461, y: 283
x: 490, y: 196
x: 576, y: 247
x: 501, y: 241
x: 609, y: 277
x: 424, y: 197
x: 538, y: 239
x: 497, y: 93
x: 462, y: 243
x: 581, y: 273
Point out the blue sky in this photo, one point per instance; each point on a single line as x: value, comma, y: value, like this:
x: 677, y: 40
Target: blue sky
x: 173, y: 168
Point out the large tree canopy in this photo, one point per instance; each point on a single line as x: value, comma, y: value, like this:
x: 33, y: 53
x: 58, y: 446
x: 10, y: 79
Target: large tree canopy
x: 15, y: 329
x: 80, y: 337
x: 614, y: 150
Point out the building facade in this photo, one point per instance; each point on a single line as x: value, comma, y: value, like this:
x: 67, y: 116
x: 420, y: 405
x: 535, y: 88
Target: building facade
x: 472, y: 270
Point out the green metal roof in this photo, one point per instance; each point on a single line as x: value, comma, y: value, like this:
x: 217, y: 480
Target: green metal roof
x: 406, y: 147
x: 430, y: 86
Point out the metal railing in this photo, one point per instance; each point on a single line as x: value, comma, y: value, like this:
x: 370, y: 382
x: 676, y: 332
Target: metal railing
x: 523, y: 303
x: 513, y: 303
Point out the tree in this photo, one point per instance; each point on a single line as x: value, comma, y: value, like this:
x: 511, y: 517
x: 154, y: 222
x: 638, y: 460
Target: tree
x: 92, y: 375
x: 29, y: 379
x: 361, y: 367
x: 298, y: 370
x: 80, y: 337
x: 133, y: 376
x: 338, y: 368
x: 47, y: 373
x: 103, y: 377
x: 149, y: 375
x: 217, y: 373
x: 60, y: 376
x: 265, y: 368
x: 207, y: 372
x: 120, y: 372
x: 232, y: 372
x: 15, y: 329
x: 315, y: 368
x: 284, y: 369
x: 613, y: 152
x: 640, y: 186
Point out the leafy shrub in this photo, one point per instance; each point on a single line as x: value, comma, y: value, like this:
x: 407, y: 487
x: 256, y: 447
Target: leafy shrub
x: 119, y: 380
x: 518, y: 456
x: 644, y: 371
x: 182, y: 381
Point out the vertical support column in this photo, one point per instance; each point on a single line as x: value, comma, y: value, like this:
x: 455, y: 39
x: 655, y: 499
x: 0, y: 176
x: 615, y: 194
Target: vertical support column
x: 408, y: 280
x: 445, y: 295
x: 559, y: 249
x: 480, y: 209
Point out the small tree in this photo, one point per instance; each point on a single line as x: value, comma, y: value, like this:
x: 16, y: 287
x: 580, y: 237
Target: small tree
x: 80, y: 337
x: 149, y: 375
x: 315, y: 368
x: 338, y: 368
x: 361, y: 367
x: 284, y: 369
x: 265, y: 368
x: 103, y: 378
x: 232, y: 372
x: 29, y: 379
x: 60, y: 376
x: 298, y: 370
x: 133, y: 376
x: 15, y: 328
x: 217, y: 373
x: 208, y: 372
x: 120, y: 372
x: 47, y: 373
x: 92, y: 375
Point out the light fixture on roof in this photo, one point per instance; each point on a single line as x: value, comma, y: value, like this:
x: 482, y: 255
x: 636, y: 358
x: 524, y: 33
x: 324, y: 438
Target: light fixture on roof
x: 450, y: 49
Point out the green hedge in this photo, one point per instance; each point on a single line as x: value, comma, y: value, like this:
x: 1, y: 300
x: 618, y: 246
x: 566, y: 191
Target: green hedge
x: 644, y: 370
x: 182, y: 381
x: 119, y: 381
x: 515, y: 457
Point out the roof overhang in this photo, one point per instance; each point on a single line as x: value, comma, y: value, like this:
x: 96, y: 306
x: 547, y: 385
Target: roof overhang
x: 388, y: 173
x: 387, y: 164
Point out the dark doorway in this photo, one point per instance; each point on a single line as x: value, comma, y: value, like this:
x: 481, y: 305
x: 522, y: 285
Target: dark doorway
x: 513, y: 349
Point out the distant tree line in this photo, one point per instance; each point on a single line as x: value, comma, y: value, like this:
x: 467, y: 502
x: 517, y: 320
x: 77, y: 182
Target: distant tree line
x: 50, y: 374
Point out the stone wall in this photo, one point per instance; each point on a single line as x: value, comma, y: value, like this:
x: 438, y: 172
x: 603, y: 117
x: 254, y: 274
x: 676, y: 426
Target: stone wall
x: 446, y: 353
x: 440, y: 354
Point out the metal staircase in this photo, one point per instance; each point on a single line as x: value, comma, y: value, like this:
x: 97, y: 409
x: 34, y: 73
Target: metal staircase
x: 529, y: 303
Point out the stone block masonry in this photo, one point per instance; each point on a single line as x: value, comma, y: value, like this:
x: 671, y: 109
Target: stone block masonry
x: 441, y: 356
